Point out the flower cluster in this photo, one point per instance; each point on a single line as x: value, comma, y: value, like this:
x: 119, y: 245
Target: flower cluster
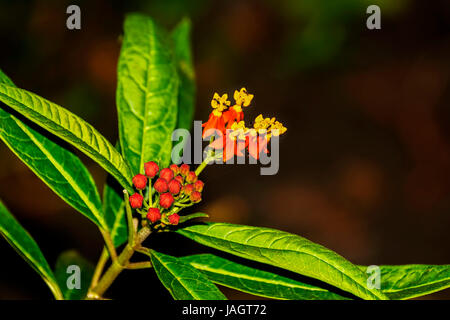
x: 233, y: 136
x: 174, y: 188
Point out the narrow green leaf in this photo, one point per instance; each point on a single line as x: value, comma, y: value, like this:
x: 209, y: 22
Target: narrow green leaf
x: 261, y: 283
x: 147, y: 93
x: 55, y: 165
x: 193, y: 216
x: 284, y: 250
x: 181, y: 37
x: 183, y: 281
x: 68, y: 127
x: 69, y: 266
x: 114, y: 208
x: 24, y: 244
x: 412, y: 280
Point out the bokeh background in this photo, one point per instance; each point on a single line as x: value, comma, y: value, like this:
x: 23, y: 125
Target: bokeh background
x: 365, y: 163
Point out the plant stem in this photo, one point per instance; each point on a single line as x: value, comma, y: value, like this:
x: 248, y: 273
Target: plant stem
x: 109, y: 244
x: 99, y: 268
x: 118, y: 265
x: 150, y: 196
x: 139, y: 265
x: 129, y: 217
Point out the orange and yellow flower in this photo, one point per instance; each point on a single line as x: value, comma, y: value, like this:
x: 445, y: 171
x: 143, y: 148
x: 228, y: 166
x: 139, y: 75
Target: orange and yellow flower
x: 216, y: 120
x: 237, y: 137
x: 235, y: 113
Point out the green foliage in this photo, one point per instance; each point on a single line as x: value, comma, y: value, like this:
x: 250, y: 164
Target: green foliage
x: 25, y: 245
x: 183, y: 57
x: 284, y: 250
x: 68, y: 127
x: 183, y: 281
x: 147, y: 93
x: 57, y: 166
x: 155, y: 95
x: 73, y: 258
x: 413, y: 280
x: 261, y: 283
x: 114, y: 208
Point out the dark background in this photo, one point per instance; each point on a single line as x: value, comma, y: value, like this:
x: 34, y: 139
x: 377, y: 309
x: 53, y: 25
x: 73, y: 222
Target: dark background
x: 365, y: 163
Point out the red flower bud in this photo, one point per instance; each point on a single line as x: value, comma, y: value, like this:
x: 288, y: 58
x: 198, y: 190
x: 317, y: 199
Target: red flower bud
x: 161, y: 185
x: 151, y: 169
x: 175, y: 169
x: 196, y: 196
x: 188, y: 189
x: 191, y: 177
x: 174, y: 187
x: 136, y: 200
x: 184, y: 169
x: 180, y: 179
x: 174, y: 219
x: 140, y: 181
x: 166, y: 174
x: 166, y: 200
x: 153, y: 214
x: 198, y: 185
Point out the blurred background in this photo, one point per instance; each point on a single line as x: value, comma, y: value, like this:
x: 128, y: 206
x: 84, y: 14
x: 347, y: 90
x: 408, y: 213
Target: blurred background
x: 364, y: 165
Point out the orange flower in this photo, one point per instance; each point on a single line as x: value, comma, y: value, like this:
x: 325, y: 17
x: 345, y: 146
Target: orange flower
x: 236, y: 137
x: 259, y: 136
x: 235, y: 113
x: 233, y: 142
x: 216, y: 120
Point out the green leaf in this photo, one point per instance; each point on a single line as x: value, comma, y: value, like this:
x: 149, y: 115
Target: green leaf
x: 68, y: 127
x: 114, y: 208
x: 66, y: 276
x: 183, y: 281
x: 261, y: 283
x: 193, y: 216
x: 413, y: 280
x: 55, y: 165
x: 181, y: 37
x: 24, y: 244
x: 284, y: 250
x: 147, y: 93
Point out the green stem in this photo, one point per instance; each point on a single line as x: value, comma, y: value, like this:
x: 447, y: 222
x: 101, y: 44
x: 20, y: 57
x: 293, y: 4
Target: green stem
x: 201, y: 166
x: 118, y: 265
x: 129, y: 217
x: 150, y: 196
x: 99, y: 268
x: 139, y: 265
x: 109, y: 244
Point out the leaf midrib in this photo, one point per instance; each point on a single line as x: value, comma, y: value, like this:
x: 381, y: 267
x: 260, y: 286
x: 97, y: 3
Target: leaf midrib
x: 66, y: 175
x: 257, y: 279
x: 359, y: 286
x: 178, y: 278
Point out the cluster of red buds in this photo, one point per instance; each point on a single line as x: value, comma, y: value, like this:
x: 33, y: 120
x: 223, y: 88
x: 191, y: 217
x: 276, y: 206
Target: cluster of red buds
x: 174, y: 188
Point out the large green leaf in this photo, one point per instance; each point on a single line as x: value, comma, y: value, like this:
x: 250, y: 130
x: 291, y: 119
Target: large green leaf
x: 284, y: 250
x: 181, y: 37
x: 114, y: 208
x: 68, y: 127
x: 413, y: 280
x: 183, y: 281
x: 147, y: 93
x: 24, y: 244
x: 255, y: 281
x: 57, y: 166
x: 67, y: 277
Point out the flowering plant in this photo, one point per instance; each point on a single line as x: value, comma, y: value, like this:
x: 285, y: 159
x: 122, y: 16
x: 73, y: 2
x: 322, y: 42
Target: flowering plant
x: 146, y: 193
